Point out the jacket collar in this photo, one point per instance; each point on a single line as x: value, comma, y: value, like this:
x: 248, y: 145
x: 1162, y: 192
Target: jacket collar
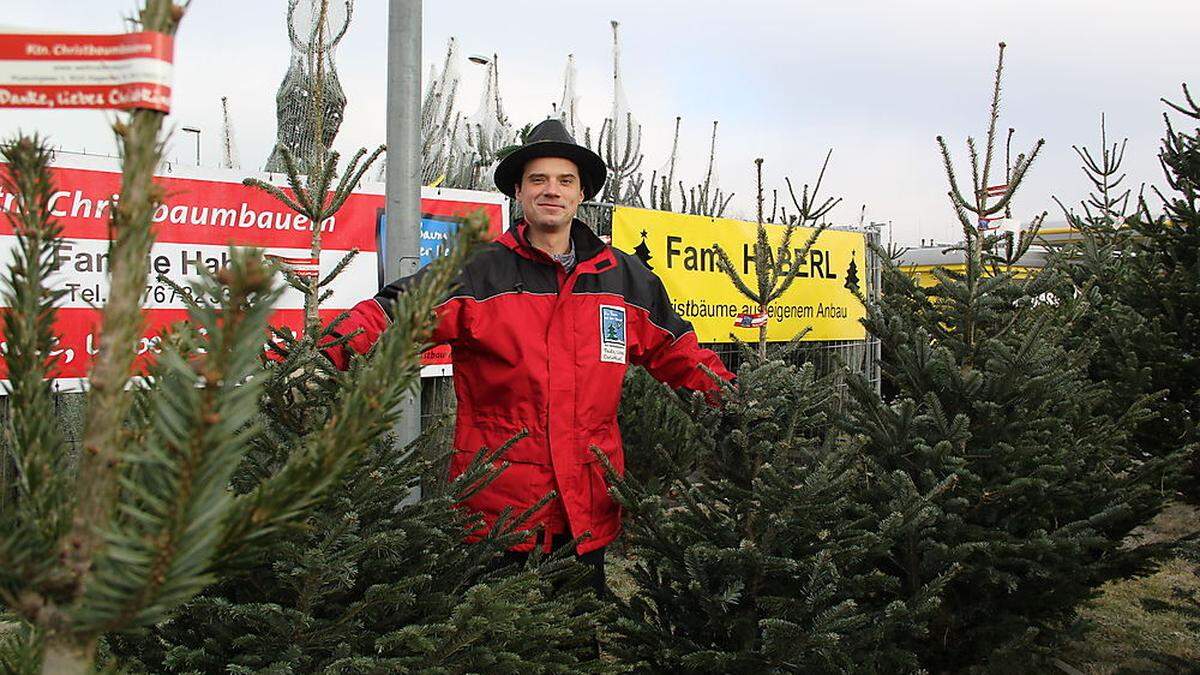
x: 588, y: 247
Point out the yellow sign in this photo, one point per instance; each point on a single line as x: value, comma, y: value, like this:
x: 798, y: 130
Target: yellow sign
x: 679, y: 249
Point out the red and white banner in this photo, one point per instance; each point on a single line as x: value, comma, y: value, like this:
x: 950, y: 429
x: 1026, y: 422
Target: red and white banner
x: 130, y: 70
x: 205, y: 212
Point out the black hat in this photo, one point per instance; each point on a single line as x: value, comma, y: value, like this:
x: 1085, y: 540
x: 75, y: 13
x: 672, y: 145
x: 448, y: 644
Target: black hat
x: 551, y: 139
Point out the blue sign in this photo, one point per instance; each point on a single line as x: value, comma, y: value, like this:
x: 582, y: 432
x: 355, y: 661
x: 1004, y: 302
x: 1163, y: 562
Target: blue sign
x: 435, y: 232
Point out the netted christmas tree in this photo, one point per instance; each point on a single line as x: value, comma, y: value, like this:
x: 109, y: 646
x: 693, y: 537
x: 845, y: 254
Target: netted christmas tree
x: 1044, y: 485
x: 757, y: 554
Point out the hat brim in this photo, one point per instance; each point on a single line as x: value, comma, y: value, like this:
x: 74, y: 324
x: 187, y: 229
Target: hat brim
x: 592, y: 171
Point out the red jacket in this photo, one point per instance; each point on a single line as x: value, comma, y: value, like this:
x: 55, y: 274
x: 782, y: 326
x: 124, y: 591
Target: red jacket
x: 539, y: 349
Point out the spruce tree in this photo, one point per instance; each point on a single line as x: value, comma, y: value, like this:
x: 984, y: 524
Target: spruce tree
x: 756, y: 554
x: 171, y: 525
x: 1044, y: 485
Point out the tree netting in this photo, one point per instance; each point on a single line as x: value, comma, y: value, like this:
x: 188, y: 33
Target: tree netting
x: 230, y: 159
x: 488, y: 129
x: 440, y: 142
x: 568, y: 107
x: 315, y: 27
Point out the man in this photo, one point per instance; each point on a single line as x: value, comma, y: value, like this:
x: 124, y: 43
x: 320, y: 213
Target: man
x: 543, y: 323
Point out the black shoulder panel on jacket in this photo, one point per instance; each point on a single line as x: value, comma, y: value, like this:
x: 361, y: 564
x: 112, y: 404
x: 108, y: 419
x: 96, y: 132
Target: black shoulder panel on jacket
x: 497, y: 269
x: 493, y: 270
x: 639, y: 286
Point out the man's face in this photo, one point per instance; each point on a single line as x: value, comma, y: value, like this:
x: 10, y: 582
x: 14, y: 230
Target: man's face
x: 550, y: 192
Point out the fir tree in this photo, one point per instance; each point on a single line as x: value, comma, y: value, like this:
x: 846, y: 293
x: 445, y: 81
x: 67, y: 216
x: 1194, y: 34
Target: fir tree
x: 145, y: 519
x: 172, y: 525
x: 657, y: 432
x: 375, y: 581
x: 776, y: 268
x: 757, y: 555
x: 1164, y: 287
x: 166, y: 522
x: 368, y: 586
x: 1045, y: 485
x: 1099, y: 271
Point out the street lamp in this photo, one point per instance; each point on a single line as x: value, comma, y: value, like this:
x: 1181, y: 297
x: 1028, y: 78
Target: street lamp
x: 194, y: 130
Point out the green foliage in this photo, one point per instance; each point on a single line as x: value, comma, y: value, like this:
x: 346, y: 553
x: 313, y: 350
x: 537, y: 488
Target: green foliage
x: 992, y: 399
x: 38, y: 501
x: 756, y: 552
x: 173, y: 522
x: 374, y: 580
x: 1140, y: 275
x: 20, y: 649
x: 148, y: 520
x: 161, y: 546
x: 656, y: 431
x: 1163, y: 287
x: 764, y: 558
x: 776, y: 269
x: 369, y: 586
x: 1135, y: 353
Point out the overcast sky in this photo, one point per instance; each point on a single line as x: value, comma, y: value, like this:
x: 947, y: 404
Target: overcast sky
x: 876, y: 81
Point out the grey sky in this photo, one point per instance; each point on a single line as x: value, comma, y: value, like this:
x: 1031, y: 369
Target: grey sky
x: 877, y: 81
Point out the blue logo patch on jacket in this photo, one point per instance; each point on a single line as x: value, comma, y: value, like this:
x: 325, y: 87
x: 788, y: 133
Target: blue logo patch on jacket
x: 612, y: 334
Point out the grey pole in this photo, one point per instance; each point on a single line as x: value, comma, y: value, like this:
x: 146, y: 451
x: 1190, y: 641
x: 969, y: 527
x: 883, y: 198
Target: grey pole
x: 402, y: 237
x: 196, y: 131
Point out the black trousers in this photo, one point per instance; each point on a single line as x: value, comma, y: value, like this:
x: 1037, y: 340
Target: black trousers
x: 594, y: 560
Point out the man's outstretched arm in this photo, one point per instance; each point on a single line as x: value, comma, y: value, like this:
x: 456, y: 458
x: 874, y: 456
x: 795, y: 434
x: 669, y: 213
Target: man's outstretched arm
x: 668, y: 346
x: 371, y: 317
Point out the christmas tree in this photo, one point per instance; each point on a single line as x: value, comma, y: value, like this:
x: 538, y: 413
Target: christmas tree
x: 145, y: 519
x: 379, y: 582
x: 1044, y: 486
x: 657, y: 431
x: 166, y: 524
x: 754, y: 552
x: 1164, y: 288
x: 375, y: 580
x: 1104, y: 272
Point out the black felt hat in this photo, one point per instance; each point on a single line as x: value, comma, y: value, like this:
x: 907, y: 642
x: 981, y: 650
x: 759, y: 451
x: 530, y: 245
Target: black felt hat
x: 551, y: 139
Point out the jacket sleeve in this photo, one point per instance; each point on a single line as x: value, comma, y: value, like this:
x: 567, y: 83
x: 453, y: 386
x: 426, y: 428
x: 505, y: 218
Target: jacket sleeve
x: 371, y: 317
x: 668, y: 348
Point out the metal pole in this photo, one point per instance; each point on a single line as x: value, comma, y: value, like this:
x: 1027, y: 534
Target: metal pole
x: 402, y: 237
